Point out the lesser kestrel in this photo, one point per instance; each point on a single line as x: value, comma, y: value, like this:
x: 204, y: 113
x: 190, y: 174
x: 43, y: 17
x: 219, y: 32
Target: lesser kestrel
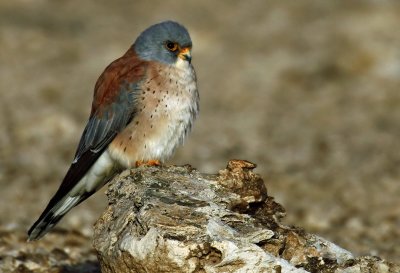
x: 144, y: 105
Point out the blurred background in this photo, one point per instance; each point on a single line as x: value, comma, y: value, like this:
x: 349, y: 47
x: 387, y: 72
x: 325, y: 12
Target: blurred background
x: 308, y: 90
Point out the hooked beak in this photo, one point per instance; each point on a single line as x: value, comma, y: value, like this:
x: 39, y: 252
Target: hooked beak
x: 185, y: 55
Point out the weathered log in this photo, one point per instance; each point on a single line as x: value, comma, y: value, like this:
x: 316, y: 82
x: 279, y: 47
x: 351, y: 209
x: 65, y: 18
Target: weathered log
x: 175, y: 219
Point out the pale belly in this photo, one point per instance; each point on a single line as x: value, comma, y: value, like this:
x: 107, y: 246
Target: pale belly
x: 151, y: 141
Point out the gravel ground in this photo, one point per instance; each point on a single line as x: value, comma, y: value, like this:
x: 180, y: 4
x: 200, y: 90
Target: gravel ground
x: 308, y: 90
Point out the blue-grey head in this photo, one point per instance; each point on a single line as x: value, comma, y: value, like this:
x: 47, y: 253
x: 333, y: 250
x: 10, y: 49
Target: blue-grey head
x: 164, y: 42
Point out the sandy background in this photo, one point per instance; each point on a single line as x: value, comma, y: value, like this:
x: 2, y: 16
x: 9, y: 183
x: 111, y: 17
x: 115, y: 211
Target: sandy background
x: 308, y: 90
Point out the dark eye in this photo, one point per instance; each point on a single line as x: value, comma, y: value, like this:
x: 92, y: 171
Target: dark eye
x: 171, y: 46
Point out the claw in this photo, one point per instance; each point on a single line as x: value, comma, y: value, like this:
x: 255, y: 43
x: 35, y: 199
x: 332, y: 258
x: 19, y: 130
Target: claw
x: 148, y: 163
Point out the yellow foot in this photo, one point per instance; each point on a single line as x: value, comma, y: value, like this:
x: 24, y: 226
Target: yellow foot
x: 148, y: 163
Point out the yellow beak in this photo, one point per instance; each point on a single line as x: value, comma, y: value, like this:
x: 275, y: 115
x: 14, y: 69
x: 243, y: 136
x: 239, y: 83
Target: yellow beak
x: 184, y: 54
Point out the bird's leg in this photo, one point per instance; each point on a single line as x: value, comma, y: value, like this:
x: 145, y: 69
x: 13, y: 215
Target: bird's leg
x: 148, y: 163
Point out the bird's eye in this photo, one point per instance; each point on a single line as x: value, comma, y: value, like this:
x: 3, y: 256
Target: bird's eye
x: 171, y: 46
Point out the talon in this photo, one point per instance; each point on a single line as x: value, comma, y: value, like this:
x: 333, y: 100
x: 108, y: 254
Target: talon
x: 148, y: 163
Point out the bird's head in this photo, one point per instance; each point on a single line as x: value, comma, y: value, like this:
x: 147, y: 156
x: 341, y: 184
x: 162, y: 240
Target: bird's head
x: 167, y: 42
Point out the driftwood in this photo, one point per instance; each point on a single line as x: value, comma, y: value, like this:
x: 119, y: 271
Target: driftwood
x: 175, y: 219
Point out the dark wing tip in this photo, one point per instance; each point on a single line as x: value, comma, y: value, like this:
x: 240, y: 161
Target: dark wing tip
x: 42, y: 226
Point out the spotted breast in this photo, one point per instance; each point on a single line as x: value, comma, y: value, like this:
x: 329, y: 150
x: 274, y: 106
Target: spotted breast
x: 166, y: 106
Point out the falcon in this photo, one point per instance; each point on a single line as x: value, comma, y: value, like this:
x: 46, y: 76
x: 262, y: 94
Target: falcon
x: 143, y: 107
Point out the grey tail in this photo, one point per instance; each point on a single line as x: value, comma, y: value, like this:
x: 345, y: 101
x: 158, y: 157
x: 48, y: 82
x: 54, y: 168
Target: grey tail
x: 64, y: 199
x: 52, y: 215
